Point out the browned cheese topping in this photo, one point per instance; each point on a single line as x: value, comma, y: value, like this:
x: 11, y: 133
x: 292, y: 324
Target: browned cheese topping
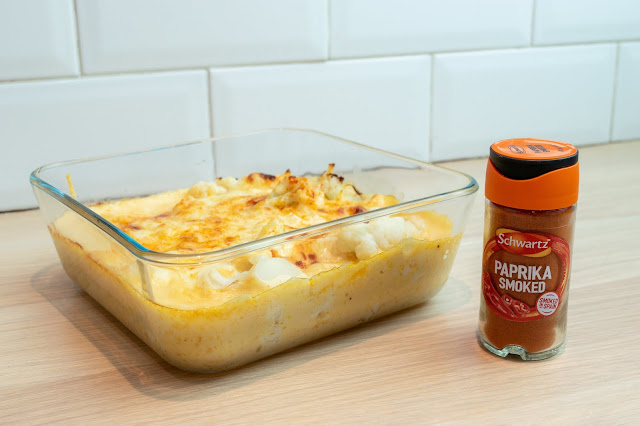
x: 214, y: 215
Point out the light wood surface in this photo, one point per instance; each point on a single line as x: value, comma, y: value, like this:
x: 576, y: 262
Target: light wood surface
x: 65, y: 359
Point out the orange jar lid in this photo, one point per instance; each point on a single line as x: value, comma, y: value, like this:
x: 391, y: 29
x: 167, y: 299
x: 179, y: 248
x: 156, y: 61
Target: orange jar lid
x: 532, y: 174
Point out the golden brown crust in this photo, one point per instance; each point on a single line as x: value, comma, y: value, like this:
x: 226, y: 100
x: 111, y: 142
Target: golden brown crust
x: 215, y: 215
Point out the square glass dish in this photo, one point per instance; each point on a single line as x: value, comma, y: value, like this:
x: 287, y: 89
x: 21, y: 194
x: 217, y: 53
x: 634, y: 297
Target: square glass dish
x: 209, y: 310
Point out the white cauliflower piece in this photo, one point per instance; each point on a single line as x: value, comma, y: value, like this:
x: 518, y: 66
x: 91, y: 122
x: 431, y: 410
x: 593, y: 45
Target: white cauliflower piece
x: 205, y: 189
x: 274, y: 227
x: 272, y: 271
x: 368, y: 239
x: 265, y: 272
x: 219, y: 277
x: 332, y: 187
x: 227, y: 182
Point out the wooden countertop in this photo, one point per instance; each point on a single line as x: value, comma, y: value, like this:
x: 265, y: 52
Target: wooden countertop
x: 65, y: 359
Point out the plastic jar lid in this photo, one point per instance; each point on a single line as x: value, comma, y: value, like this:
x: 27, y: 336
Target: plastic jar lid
x: 532, y: 174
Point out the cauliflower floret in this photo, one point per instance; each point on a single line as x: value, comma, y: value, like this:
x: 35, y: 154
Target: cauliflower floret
x: 334, y: 187
x: 368, y: 239
x: 219, y: 276
x: 331, y: 186
x: 294, y: 191
x: 272, y: 271
x: 265, y: 272
x: 227, y: 182
x: 274, y: 227
x: 205, y: 189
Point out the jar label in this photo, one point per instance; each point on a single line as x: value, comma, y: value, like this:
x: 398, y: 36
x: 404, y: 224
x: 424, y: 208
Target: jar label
x: 524, y: 274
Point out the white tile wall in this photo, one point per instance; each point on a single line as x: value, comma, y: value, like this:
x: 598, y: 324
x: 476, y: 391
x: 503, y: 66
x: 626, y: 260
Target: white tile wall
x: 383, y: 102
x: 626, y: 118
x: 481, y: 71
x: 570, y: 21
x: 119, y: 35
x: 60, y: 120
x: 383, y: 27
x: 562, y: 93
x: 37, y: 39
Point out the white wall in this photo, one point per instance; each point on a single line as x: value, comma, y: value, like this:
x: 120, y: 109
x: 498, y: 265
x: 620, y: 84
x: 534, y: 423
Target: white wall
x: 430, y: 79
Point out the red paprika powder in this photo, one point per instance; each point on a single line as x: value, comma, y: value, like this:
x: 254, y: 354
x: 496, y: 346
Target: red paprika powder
x: 531, y: 191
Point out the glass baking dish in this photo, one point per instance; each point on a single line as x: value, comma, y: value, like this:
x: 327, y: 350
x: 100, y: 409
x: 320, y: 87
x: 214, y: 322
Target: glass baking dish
x: 136, y: 284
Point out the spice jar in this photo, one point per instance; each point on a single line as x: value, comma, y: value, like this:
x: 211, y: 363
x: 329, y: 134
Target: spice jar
x: 531, y: 193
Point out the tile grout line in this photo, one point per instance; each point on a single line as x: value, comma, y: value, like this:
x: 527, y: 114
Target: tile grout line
x: 76, y: 25
x: 533, y: 22
x: 329, y: 40
x: 431, y: 106
x: 89, y: 76
x: 615, y: 91
x: 155, y: 71
x: 209, y: 103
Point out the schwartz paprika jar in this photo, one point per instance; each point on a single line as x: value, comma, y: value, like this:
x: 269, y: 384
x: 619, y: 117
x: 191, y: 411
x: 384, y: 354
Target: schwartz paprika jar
x: 531, y: 191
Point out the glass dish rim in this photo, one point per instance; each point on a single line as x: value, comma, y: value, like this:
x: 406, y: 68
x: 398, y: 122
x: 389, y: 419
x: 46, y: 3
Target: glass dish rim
x: 161, y: 258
